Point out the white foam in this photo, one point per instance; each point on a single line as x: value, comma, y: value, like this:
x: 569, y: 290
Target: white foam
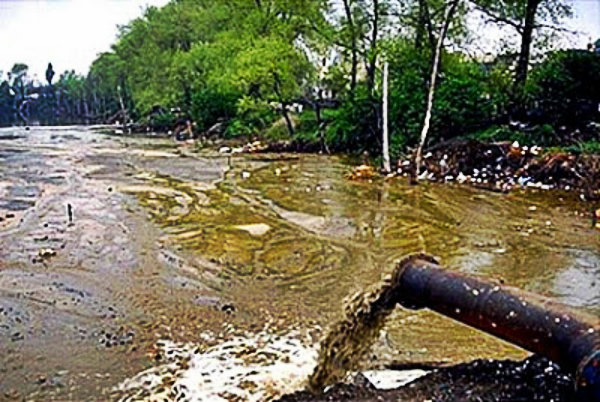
x: 252, y: 368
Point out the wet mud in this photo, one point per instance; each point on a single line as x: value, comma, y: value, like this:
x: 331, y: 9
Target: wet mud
x: 171, y: 253
x: 533, y: 379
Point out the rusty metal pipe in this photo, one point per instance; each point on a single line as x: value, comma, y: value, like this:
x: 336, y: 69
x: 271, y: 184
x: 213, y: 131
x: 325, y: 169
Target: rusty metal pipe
x: 538, y: 324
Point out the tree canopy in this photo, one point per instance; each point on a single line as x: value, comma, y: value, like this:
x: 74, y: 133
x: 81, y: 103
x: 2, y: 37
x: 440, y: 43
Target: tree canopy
x: 313, y: 68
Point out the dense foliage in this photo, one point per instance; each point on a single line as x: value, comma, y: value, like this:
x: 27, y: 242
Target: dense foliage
x: 309, y: 70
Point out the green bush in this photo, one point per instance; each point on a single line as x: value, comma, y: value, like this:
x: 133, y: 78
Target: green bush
x: 542, y: 135
x: 307, y: 129
x: 353, y: 125
x: 162, y: 121
x: 466, y: 99
x: 565, y: 88
x: 588, y: 147
x: 252, y: 116
x: 209, y: 106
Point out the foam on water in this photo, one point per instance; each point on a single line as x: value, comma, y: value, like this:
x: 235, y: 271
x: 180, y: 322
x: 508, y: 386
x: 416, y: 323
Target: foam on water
x: 253, y: 367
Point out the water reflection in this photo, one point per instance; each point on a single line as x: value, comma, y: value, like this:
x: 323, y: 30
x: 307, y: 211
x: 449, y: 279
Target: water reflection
x: 578, y: 285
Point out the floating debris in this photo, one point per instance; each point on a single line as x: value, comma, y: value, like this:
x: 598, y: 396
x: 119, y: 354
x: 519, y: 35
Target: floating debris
x: 253, y: 147
x: 362, y: 172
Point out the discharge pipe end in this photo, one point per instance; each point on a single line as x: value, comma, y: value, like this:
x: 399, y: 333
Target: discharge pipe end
x: 539, y: 324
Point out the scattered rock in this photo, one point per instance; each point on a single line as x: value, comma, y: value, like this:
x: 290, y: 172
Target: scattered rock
x: 255, y: 229
x: 228, y: 308
x: 47, y: 253
x: 120, y: 337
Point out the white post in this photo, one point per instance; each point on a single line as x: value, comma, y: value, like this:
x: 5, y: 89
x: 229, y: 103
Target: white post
x: 386, y: 146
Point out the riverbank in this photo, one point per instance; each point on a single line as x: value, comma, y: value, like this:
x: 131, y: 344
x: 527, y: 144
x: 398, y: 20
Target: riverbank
x: 498, y: 166
x: 503, y: 166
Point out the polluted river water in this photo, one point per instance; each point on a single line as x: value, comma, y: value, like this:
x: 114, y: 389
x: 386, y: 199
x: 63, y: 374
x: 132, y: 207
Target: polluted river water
x: 191, y: 275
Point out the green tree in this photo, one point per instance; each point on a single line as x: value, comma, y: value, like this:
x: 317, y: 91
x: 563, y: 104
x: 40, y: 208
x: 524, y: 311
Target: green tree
x: 526, y: 17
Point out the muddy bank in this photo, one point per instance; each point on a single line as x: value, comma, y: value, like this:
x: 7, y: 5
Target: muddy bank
x: 504, y: 166
x: 533, y: 379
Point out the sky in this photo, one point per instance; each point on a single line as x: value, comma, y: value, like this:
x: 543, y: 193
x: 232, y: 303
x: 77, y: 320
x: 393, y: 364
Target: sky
x: 587, y: 17
x: 587, y: 20
x: 70, y: 33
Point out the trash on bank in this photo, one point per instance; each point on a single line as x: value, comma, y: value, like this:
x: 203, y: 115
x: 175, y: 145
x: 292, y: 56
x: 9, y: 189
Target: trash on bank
x: 503, y: 166
x: 392, y: 379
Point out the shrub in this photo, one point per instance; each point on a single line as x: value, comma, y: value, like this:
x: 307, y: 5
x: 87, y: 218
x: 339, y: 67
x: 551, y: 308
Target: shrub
x: 565, y: 89
x: 209, y: 106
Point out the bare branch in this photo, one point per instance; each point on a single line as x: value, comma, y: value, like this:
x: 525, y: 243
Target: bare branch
x: 492, y: 17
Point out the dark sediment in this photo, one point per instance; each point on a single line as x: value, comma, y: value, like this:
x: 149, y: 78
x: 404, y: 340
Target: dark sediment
x: 533, y: 379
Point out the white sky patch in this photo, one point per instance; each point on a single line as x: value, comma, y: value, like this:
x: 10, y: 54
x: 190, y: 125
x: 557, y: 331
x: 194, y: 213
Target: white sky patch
x: 488, y: 38
x: 67, y: 33
x: 70, y: 33
x: 586, y: 19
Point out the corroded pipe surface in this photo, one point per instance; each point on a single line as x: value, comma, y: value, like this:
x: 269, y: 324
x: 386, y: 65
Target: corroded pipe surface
x: 538, y: 324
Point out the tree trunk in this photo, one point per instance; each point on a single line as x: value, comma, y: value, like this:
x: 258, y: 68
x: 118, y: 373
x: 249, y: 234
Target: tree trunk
x: 284, y: 104
x: 434, y: 71
x: 320, y: 122
x: 386, y: 147
x: 526, y: 39
x: 353, y: 46
x: 372, y: 66
x: 123, y: 110
x: 288, y: 121
x: 86, y: 111
x: 424, y: 24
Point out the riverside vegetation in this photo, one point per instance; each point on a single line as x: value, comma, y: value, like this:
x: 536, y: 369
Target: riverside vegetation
x: 308, y: 72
